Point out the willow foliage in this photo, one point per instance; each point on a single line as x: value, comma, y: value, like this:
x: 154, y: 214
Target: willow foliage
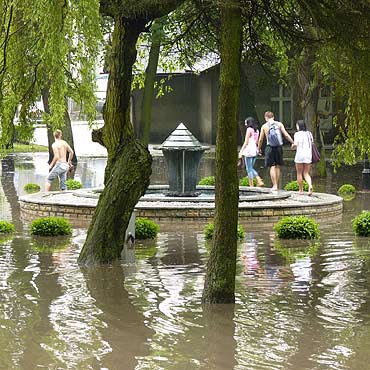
x: 349, y: 68
x: 47, y: 43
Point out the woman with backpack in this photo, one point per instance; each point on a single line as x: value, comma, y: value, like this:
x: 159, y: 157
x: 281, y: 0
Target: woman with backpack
x: 303, y: 157
x: 249, y: 150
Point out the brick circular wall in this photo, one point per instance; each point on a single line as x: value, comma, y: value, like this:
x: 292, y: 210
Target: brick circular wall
x: 79, y: 210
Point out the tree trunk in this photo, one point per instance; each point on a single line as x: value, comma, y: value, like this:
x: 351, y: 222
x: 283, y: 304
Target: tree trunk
x: 221, y: 267
x: 66, y: 129
x: 8, y: 137
x: 150, y: 75
x: 129, y: 162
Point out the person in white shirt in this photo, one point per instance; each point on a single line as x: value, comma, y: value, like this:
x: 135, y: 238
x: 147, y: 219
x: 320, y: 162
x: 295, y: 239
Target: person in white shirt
x: 303, y: 156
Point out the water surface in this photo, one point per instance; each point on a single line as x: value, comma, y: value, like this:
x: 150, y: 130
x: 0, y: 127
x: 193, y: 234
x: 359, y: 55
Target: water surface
x: 300, y: 305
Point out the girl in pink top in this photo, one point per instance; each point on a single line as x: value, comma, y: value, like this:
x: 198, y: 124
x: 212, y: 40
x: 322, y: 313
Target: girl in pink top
x: 249, y: 150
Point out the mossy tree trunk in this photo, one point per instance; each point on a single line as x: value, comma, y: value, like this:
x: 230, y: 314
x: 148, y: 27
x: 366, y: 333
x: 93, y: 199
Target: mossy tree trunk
x: 128, y: 169
x: 221, y: 267
x: 129, y: 162
x: 150, y: 75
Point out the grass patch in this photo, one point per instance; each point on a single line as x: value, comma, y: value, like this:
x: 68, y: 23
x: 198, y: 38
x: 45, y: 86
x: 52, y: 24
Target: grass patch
x: 26, y: 148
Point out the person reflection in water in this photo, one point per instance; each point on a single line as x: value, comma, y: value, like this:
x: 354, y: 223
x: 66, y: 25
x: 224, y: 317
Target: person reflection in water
x: 60, y: 163
x: 268, y: 275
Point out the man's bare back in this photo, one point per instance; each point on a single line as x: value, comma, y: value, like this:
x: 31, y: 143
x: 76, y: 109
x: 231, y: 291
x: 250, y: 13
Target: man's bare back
x: 60, y: 149
x: 58, y: 166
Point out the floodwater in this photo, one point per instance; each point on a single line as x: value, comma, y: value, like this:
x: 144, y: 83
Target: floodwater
x: 299, y: 305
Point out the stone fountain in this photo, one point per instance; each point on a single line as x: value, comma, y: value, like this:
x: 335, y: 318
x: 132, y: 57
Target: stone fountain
x: 182, y: 199
x: 183, y: 153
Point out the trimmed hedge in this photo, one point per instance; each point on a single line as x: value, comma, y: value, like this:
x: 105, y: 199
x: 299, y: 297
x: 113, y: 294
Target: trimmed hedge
x: 209, y: 180
x: 210, y: 227
x: 347, y: 189
x: 297, y: 227
x: 6, y: 227
x: 73, y: 184
x: 31, y: 188
x: 145, y: 229
x: 51, y: 226
x: 293, y: 186
x: 361, y: 224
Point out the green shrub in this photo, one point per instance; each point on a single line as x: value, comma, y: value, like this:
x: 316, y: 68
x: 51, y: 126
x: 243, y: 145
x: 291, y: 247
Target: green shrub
x: 297, y: 227
x: 51, y: 226
x: 6, y: 227
x: 209, y: 180
x: 244, y: 181
x: 347, y: 189
x: 31, y: 188
x: 361, y: 224
x: 145, y: 229
x: 210, y: 227
x: 293, y: 186
x: 73, y: 184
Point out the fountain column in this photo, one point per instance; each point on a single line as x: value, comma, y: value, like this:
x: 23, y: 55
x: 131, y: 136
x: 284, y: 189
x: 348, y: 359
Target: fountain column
x: 183, y: 153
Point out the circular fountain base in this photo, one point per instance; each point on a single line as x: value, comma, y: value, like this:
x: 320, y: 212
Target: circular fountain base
x: 255, y: 204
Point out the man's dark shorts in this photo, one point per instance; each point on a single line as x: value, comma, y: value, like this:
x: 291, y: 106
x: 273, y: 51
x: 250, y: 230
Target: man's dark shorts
x: 273, y: 156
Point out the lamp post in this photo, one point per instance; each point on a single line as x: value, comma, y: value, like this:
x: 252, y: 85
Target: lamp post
x: 366, y: 174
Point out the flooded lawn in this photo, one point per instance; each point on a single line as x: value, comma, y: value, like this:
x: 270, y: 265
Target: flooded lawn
x: 300, y: 305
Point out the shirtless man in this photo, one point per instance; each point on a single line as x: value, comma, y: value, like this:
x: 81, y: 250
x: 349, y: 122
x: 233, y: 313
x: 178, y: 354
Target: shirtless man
x: 273, y: 154
x: 59, y: 165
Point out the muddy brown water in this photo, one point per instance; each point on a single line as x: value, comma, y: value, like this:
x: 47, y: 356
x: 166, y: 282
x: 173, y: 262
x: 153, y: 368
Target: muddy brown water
x: 299, y: 305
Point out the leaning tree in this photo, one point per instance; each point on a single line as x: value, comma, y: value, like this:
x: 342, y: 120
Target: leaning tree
x: 129, y: 162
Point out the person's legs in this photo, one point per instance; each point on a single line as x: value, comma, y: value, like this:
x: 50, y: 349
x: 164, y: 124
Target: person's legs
x: 62, y: 180
x: 275, y: 174
x: 249, y: 166
x: 255, y: 173
x: 299, y: 168
x: 259, y: 181
x: 52, y: 175
x: 47, y: 186
x: 306, y: 174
